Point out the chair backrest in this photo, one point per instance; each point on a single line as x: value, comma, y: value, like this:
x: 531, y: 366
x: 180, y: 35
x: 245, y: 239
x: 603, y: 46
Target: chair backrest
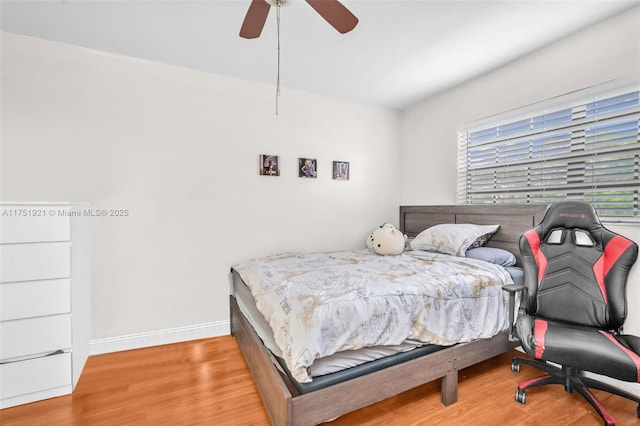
x: 575, y: 269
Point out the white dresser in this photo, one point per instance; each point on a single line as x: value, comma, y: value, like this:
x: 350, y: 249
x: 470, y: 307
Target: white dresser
x: 45, y: 299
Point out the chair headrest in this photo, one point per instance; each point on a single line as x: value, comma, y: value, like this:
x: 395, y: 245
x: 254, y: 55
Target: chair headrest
x: 570, y: 215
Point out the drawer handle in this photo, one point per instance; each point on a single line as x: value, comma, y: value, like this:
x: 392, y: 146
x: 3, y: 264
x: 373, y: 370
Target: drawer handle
x: 34, y: 356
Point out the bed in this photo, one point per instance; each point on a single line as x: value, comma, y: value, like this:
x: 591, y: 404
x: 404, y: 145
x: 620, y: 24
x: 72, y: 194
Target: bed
x: 290, y: 402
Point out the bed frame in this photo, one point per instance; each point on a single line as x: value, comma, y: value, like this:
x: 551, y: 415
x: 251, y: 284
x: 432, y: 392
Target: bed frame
x: 287, y: 407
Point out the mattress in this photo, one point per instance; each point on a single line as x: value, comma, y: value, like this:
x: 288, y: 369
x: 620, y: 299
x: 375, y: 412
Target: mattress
x: 330, y: 364
x: 345, y: 359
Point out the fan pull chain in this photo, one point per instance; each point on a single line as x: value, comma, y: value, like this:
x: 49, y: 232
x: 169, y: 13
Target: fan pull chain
x: 278, y: 71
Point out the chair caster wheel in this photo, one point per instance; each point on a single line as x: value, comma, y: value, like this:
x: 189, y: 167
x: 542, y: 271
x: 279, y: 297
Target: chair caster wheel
x: 521, y: 397
x: 515, y: 365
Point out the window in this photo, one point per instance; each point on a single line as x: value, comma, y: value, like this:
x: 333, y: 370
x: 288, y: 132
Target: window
x: 582, y: 149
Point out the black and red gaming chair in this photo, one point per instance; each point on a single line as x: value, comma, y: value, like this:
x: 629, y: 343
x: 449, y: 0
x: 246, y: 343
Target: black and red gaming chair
x: 574, y: 304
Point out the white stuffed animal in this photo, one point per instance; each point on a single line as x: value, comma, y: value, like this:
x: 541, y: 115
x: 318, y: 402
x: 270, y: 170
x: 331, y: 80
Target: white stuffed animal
x: 386, y: 240
x: 370, y: 237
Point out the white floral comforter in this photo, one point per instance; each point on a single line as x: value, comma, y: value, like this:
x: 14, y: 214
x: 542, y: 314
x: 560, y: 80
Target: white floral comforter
x: 321, y: 303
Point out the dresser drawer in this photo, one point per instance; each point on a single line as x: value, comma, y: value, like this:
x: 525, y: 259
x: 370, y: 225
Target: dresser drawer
x: 34, y: 375
x: 34, y: 223
x: 26, y: 262
x: 33, y: 336
x: 34, y: 298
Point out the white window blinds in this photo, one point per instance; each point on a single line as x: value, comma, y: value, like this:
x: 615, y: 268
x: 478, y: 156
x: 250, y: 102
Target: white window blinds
x: 589, y: 150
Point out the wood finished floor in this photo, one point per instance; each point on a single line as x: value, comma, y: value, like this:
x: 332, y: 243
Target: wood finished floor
x: 207, y: 382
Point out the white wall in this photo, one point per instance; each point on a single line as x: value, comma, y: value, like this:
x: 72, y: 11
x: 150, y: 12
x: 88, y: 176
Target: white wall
x: 179, y: 149
x: 604, y: 52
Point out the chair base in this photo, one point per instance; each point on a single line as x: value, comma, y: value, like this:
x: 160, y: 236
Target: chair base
x: 573, y: 380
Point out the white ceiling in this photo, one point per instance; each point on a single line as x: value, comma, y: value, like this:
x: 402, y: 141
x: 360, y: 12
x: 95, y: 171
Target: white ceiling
x: 399, y: 53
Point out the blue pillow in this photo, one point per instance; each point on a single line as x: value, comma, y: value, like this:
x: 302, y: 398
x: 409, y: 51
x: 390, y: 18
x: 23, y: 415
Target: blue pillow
x: 492, y: 255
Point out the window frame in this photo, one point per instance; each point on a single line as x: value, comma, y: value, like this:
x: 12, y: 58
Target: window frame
x: 571, y: 101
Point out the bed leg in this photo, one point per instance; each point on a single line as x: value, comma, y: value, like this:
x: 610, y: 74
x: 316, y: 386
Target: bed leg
x: 231, y: 313
x: 449, y: 388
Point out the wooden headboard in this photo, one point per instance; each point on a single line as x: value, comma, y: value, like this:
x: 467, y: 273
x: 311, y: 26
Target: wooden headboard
x: 513, y: 220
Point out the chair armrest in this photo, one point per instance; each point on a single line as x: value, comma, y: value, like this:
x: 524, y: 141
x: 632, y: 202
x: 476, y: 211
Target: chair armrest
x: 512, y: 289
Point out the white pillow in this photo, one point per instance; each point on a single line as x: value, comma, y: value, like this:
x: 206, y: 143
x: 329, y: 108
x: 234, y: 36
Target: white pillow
x: 451, y: 238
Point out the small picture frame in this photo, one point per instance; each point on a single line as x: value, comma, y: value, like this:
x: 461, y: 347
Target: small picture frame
x: 307, y: 168
x: 341, y: 170
x: 269, y: 165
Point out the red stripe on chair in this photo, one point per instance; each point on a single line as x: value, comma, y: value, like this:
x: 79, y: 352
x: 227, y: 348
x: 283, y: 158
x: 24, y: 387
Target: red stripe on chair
x: 534, y: 242
x: 612, y: 252
x: 605, y: 414
x: 634, y: 357
x: 539, y: 333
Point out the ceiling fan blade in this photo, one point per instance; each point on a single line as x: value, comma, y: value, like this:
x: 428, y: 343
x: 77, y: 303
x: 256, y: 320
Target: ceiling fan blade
x: 336, y: 14
x: 255, y: 19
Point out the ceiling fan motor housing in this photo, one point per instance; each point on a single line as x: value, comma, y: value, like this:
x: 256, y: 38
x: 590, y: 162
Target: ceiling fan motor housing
x: 276, y: 2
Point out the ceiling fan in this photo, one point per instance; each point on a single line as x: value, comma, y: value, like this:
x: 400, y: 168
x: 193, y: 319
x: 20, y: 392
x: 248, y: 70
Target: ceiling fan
x: 331, y: 10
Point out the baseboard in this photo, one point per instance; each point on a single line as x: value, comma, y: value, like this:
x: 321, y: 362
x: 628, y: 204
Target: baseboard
x: 159, y: 337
